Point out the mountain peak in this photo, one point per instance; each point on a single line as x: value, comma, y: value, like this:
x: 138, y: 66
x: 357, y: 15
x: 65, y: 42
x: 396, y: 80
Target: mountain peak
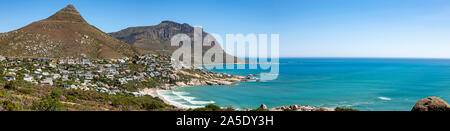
x: 67, y: 14
x: 70, y: 6
x: 70, y: 9
x: 62, y: 35
x: 169, y: 22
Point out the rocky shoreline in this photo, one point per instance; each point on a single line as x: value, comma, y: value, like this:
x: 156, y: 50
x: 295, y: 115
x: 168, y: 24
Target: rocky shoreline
x: 433, y: 104
x: 203, y: 79
x: 208, y: 78
x: 214, y: 78
x: 293, y: 108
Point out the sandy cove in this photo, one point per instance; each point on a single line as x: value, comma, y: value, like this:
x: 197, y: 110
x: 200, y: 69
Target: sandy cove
x: 208, y: 78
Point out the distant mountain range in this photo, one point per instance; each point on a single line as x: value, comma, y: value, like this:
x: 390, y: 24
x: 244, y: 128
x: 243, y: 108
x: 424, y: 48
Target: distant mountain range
x: 153, y: 38
x: 157, y: 38
x: 67, y: 34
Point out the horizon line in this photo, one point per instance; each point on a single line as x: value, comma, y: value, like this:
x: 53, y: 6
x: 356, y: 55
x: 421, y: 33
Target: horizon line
x: 356, y: 57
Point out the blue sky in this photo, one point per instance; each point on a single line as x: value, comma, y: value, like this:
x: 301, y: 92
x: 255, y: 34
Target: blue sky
x: 307, y: 28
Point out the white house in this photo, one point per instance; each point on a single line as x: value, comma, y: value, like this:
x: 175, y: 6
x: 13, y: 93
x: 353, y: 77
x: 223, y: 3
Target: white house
x: 28, y: 78
x: 62, y: 61
x: 47, y: 81
x: 110, y: 76
x: 52, y: 65
x: 123, y: 81
x: 86, y: 61
x: 88, y: 76
x: 65, y: 77
x: 45, y: 73
x: 56, y: 76
x: 70, y: 61
x: 121, y: 61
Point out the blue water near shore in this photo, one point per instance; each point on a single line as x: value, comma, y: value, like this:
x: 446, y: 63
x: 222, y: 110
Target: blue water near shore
x: 364, y: 84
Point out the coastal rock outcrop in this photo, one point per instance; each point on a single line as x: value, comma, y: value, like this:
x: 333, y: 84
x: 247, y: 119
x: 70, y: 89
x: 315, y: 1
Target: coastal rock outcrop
x: 222, y: 82
x: 324, y: 109
x: 299, y: 108
x: 174, y: 77
x: 234, y: 80
x: 195, y: 82
x: 180, y: 84
x: 303, y: 108
x: 167, y: 87
x: 263, y: 106
x: 211, y: 83
x: 431, y: 104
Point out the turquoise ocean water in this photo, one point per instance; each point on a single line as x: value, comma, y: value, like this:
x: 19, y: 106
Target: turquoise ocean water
x: 364, y: 84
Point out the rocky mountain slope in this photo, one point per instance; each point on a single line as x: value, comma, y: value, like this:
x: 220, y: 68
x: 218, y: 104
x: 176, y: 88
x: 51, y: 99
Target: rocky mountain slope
x: 64, y: 34
x: 157, y: 38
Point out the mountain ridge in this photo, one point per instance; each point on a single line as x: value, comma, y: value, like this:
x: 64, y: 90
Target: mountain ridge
x: 64, y: 34
x: 157, y: 38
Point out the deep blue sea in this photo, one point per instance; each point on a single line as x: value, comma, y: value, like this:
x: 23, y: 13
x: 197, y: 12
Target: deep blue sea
x: 365, y: 84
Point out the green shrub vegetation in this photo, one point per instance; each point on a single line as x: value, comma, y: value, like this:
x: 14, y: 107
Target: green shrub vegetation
x: 18, y: 96
x: 260, y: 109
x: 26, y: 90
x: 345, y: 109
x: 210, y: 107
x: 135, y: 86
x: 10, y: 106
x: 47, y: 103
x: 287, y: 109
x: 10, y: 85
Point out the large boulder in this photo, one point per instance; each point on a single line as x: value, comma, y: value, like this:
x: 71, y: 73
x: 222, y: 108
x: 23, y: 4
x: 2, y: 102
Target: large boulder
x: 227, y: 83
x: 263, y: 106
x: 167, y: 87
x: 194, y: 82
x: 306, y: 108
x: 211, y: 83
x: 234, y: 80
x: 180, y: 84
x: 431, y: 104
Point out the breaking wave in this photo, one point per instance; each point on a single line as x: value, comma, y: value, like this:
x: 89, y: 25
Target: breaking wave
x: 384, y: 98
x: 181, y: 99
